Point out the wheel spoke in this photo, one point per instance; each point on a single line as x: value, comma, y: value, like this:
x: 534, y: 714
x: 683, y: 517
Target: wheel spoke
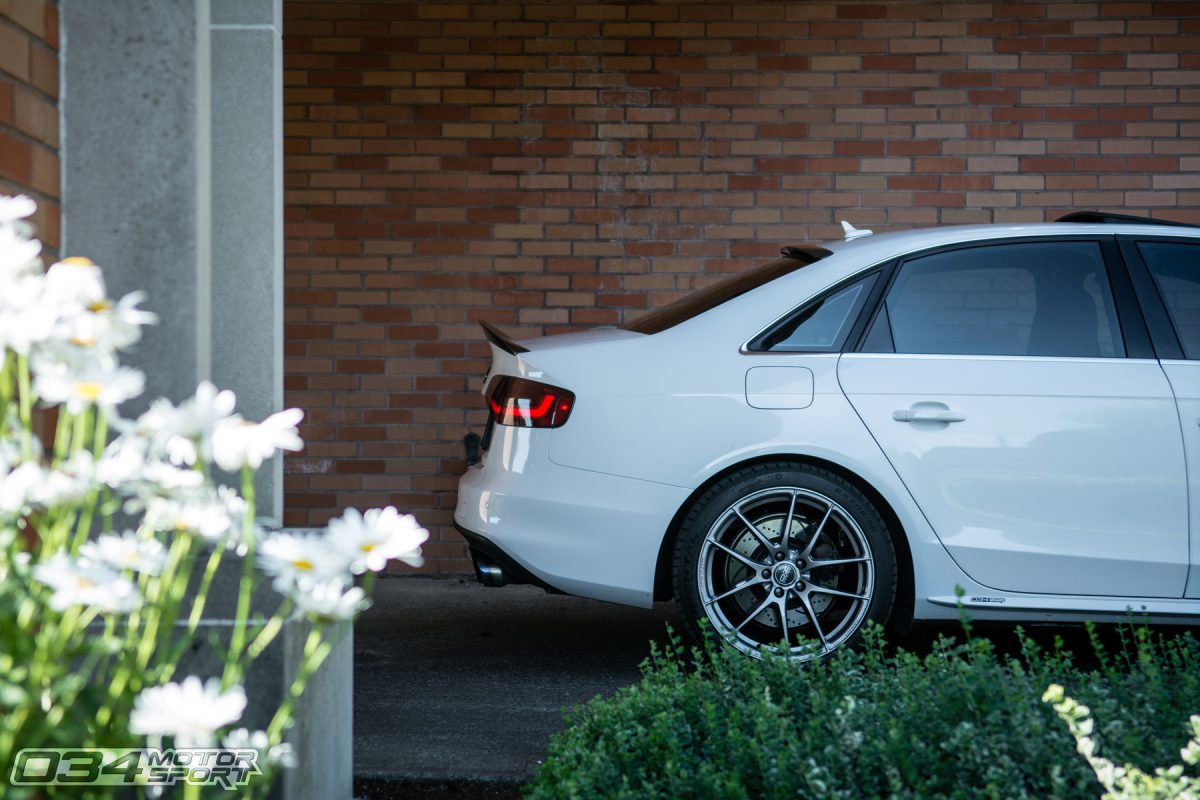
x: 754, y: 613
x: 834, y: 562
x: 744, y: 559
x: 754, y: 529
x: 836, y: 592
x: 787, y: 526
x: 812, y: 616
x: 812, y: 542
x: 746, y: 584
x: 783, y: 620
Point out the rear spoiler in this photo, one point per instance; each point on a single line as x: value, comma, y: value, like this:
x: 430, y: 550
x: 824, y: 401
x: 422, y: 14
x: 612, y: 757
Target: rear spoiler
x: 497, y: 338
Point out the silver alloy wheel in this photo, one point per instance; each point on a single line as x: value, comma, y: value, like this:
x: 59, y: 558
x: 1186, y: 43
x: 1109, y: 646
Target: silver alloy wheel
x: 786, y: 564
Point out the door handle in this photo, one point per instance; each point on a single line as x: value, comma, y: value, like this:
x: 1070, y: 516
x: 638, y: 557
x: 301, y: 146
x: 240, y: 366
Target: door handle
x: 928, y: 415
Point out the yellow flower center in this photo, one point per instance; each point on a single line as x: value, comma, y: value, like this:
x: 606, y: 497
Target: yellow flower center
x: 78, y: 261
x: 89, y: 390
x: 83, y: 583
x: 83, y: 341
x: 307, y: 566
x: 366, y: 548
x: 101, y: 305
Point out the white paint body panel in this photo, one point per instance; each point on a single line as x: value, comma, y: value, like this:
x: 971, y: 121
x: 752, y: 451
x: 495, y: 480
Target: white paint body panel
x: 1065, y: 476
x: 586, y: 506
x: 1185, y: 382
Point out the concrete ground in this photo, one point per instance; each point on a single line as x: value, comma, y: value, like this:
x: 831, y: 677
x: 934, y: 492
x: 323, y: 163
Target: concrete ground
x: 455, y: 682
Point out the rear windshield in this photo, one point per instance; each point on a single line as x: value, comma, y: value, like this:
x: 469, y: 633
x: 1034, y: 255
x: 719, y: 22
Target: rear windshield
x: 709, y: 298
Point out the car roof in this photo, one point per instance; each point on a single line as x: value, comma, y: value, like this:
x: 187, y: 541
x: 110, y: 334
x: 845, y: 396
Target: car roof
x: 896, y: 243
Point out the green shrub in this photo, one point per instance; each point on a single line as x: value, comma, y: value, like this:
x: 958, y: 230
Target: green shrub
x: 963, y: 721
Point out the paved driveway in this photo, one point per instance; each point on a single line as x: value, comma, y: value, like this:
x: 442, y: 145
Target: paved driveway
x: 454, y: 681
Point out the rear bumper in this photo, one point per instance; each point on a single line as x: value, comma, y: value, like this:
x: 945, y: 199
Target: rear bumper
x: 569, y: 530
x: 487, y: 554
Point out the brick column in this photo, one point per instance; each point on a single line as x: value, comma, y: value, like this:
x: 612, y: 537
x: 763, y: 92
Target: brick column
x: 29, y: 130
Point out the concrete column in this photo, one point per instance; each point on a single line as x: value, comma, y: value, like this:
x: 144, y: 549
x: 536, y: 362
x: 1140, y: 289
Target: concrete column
x: 247, y: 215
x: 173, y: 181
x: 136, y: 122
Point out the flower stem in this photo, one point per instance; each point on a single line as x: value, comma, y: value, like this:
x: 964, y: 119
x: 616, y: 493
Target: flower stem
x: 100, y: 437
x: 268, y: 632
x: 237, y: 642
x: 315, y: 653
x: 25, y: 398
x: 5, y: 385
x: 210, y: 570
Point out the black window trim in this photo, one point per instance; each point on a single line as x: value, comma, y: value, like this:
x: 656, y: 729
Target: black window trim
x: 1130, y: 322
x: 751, y: 347
x: 1167, y: 345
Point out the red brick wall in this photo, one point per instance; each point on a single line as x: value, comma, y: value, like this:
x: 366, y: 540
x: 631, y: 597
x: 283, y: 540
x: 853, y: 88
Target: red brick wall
x: 29, y: 108
x: 554, y: 165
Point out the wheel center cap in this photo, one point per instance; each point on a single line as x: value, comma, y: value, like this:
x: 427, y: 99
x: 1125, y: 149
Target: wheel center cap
x: 785, y: 574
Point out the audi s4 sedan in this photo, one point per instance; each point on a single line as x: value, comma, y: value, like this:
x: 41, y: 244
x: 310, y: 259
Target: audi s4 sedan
x: 857, y: 429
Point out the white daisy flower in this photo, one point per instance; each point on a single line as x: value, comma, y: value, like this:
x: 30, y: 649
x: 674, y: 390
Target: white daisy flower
x: 243, y: 739
x: 16, y: 207
x: 68, y: 484
x: 300, y: 561
x: 370, y: 540
x: 81, y: 582
x: 183, y: 433
x: 18, y: 488
x: 123, y: 461
x: 94, y: 385
x: 211, y: 514
x: 238, y: 443
x: 190, y: 712
x: 126, y: 551
x: 18, y: 253
x: 167, y: 478
x: 75, y: 284
x: 27, y: 317
x: 330, y: 601
x: 105, y: 326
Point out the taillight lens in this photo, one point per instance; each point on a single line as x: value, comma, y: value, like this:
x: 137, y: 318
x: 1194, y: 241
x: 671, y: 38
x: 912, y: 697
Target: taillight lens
x: 529, y: 404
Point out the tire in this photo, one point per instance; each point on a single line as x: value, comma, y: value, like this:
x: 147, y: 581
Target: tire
x: 731, y: 568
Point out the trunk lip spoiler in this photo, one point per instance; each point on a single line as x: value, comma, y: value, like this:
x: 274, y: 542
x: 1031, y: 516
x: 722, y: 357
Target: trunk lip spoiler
x: 497, y: 337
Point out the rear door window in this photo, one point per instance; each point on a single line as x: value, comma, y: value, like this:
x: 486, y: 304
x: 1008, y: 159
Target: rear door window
x: 1018, y: 299
x: 1176, y: 270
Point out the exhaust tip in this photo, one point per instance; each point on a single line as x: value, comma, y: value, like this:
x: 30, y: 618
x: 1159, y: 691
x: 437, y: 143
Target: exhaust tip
x: 490, y: 574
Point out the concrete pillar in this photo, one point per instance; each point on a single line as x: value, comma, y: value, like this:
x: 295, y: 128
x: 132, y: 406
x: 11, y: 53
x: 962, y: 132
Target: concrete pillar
x: 247, y: 215
x: 136, y: 153
x: 173, y: 181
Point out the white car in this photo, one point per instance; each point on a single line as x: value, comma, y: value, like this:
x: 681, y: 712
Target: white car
x: 853, y: 431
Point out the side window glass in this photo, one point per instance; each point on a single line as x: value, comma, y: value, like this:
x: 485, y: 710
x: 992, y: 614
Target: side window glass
x: 1024, y: 299
x: 823, y: 325
x: 1176, y: 271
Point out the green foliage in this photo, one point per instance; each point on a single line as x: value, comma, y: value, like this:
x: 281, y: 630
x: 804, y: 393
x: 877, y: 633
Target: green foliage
x: 963, y: 721
x: 1127, y: 782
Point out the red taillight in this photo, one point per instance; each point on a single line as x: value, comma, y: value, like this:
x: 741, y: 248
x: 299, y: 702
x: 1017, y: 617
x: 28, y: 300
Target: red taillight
x: 529, y: 404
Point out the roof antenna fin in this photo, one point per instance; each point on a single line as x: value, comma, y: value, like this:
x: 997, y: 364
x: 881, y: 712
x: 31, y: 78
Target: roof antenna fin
x: 853, y: 232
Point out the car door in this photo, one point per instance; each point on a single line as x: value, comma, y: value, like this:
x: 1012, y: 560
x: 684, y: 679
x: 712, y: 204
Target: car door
x: 1045, y: 453
x: 1172, y: 301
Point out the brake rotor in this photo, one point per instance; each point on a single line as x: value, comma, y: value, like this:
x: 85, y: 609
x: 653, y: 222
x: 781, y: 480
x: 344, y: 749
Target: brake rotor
x: 748, y: 545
